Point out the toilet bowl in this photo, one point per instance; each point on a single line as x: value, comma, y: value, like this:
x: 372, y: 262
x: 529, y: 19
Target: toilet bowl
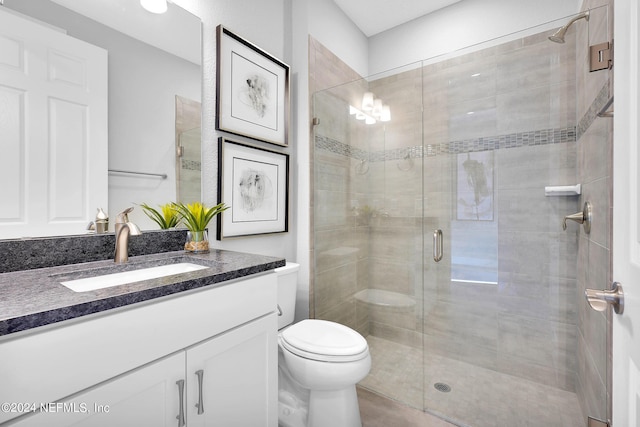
x: 320, y: 363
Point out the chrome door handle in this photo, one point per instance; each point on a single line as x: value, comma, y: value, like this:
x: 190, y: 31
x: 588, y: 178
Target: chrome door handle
x: 598, y: 300
x: 200, y: 404
x: 437, y: 245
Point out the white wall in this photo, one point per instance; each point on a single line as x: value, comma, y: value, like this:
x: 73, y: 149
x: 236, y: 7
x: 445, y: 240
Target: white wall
x: 330, y: 26
x: 142, y: 134
x: 462, y: 24
x: 265, y: 23
x: 300, y: 18
x: 281, y: 27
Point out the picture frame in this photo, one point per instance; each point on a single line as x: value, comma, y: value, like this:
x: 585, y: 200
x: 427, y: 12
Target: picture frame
x: 252, y: 90
x: 254, y: 183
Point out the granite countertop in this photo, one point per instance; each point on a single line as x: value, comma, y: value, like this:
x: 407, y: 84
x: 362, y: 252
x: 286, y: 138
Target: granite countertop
x: 33, y: 298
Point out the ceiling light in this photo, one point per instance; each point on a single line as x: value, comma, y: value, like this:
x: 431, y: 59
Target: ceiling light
x: 372, y: 109
x: 377, y: 108
x: 385, y: 115
x: 367, y: 101
x: 154, y: 6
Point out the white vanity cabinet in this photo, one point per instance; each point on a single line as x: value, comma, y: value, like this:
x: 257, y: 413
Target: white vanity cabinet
x: 203, y: 358
x: 148, y: 396
x: 230, y: 381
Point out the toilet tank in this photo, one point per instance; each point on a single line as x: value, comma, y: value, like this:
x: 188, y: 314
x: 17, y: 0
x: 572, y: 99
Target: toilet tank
x: 287, y: 286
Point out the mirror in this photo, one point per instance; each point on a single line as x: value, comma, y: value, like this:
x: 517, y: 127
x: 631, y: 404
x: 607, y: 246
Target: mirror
x: 154, y: 76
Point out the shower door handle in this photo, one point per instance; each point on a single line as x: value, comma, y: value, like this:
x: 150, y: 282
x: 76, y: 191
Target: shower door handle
x: 437, y: 245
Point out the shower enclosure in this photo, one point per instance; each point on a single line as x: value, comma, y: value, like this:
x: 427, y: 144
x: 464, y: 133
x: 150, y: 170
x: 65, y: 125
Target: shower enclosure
x: 434, y: 236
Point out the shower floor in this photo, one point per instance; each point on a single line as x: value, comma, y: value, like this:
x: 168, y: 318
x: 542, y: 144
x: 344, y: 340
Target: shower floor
x: 479, y: 397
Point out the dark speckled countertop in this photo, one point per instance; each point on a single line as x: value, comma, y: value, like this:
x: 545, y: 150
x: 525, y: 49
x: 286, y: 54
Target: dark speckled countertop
x: 33, y: 298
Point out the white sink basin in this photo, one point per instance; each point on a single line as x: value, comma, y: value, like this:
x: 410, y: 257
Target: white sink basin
x: 126, y: 277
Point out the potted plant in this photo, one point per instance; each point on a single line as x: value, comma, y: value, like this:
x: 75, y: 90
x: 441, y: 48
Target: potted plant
x: 196, y: 217
x: 166, y: 218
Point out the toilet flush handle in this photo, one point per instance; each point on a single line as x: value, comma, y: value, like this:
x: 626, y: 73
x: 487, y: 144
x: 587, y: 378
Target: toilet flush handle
x: 279, y: 310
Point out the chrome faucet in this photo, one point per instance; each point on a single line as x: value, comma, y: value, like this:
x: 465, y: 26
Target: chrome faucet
x: 124, y: 228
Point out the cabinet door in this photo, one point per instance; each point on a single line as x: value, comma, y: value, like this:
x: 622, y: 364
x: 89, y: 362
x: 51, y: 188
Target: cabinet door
x: 146, y: 397
x: 239, y: 371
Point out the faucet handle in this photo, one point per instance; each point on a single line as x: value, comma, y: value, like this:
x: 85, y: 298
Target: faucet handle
x: 577, y: 217
x: 122, y: 217
x: 584, y: 218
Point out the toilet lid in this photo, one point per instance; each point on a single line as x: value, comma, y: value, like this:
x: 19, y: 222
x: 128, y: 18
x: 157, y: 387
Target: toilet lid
x: 324, y: 340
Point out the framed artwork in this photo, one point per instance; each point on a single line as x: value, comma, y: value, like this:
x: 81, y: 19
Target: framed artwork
x: 474, y: 187
x: 252, y: 89
x: 254, y: 183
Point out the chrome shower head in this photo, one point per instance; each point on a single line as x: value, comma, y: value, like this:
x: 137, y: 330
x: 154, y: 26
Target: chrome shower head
x: 558, y: 36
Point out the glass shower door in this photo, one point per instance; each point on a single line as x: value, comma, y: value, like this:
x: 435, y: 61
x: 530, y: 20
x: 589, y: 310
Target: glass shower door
x: 368, y: 224
x: 434, y: 236
x: 508, y: 337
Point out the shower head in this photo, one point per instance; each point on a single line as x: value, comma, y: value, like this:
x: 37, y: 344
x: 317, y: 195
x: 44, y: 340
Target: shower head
x: 558, y: 36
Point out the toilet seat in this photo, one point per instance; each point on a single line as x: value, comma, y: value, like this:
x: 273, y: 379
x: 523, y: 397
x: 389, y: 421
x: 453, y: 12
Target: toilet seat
x: 324, y: 341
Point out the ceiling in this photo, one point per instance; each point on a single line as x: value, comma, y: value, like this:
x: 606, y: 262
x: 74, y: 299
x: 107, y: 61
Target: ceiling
x: 375, y: 16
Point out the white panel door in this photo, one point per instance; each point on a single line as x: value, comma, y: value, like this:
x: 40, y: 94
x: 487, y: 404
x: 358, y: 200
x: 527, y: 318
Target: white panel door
x: 53, y: 128
x: 626, y: 215
x: 239, y: 374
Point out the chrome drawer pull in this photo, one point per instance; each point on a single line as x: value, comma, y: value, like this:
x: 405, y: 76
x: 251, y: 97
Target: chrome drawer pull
x: 180, y: 416
x: 200, y: 404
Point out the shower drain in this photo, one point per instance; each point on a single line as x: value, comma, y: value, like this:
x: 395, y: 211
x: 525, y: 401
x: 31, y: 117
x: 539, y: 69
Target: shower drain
x: 445, y: 388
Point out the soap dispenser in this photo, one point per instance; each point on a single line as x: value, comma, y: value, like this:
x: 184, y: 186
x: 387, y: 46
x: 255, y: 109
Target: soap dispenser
x: 102, y: 222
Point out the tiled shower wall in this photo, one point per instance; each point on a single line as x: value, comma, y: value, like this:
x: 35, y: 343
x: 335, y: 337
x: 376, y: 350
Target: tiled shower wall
x: 595, y: 165
x: 373, y: 222
x: 338, y: 247
x: 521, y: 95
x: 524, y: 116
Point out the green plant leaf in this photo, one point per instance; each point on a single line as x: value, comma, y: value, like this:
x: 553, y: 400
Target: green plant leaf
x: 196, y: 216
x: 166, y: 219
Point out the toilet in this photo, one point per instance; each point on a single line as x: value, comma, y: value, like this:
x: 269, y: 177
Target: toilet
x: 319, y: 364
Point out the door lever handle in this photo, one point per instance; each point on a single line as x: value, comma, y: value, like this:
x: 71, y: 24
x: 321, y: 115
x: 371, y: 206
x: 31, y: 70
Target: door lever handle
x: 598, y: 300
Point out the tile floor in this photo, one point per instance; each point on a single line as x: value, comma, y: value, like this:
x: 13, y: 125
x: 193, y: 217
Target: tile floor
x: 379, y: 411
x: 478, y: 398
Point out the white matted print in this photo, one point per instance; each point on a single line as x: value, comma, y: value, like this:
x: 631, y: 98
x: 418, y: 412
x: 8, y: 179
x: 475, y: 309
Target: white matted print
x: 252, y: 90
x: 254, y: 183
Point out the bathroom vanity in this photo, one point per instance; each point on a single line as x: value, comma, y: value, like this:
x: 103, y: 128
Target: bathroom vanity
x: 195, y: 348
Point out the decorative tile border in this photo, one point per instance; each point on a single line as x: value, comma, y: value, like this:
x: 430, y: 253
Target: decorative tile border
x: 513, y: 140
x: 594, y: 109
x: 192, y: 165
x: 337, y: 147
x: 520, y: 139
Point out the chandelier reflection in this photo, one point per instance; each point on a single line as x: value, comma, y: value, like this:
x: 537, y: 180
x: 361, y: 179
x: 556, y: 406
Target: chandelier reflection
x: 371, y: 110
